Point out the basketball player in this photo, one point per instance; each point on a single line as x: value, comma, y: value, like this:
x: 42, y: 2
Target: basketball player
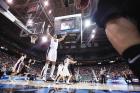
x: 121, y: 22
x: 18, y: 66
x: 52, y: 54
x: 102, y: 75
x: 66, y: 71
x: 24, y: 68
x: 71, y: 70
x: 59, y: 71
x: 29, y: 64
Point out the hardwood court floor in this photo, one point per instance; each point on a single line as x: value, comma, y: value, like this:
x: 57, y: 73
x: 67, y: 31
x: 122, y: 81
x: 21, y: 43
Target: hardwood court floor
x: 22, y: 86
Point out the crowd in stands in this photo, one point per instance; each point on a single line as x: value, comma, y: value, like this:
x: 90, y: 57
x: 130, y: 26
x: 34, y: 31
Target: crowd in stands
x: 112, y: 71
x: 83, y: 73
x: 7, y: 61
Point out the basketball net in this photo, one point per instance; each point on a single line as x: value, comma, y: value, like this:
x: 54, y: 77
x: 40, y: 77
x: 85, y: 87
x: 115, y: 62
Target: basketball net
x: 33, y: 38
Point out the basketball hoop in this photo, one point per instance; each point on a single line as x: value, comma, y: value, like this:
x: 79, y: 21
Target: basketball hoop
x: 33, y: 38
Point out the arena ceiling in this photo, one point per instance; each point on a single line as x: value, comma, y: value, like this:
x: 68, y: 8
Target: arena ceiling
x: 10, y: 38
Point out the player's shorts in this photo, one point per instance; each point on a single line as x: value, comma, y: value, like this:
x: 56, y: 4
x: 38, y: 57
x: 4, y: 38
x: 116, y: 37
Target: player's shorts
x: 52, y: 55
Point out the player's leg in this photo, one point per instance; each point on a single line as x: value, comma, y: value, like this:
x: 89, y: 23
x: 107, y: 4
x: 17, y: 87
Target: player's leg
x: 68, y: 80
x: 52, y: 69
x: 46, y: 69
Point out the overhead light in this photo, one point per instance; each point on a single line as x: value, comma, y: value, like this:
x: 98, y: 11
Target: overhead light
x: 94, y: 31
x: 44, y: 39
x: 99, y: 63
x: 112, y: 61
x: 87, y: 23
x: 30, y: 22
x: 2, y: 47
x: 50, y: 11
x: 92, y: 36
x: 9, y: 1
x: 46, y: 3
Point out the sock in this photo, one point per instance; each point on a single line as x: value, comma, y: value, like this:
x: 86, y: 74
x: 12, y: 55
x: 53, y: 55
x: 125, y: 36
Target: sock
x: 68, y: 79
x: 42, y: 71
x: 45, y: 71
x: 52, y: 70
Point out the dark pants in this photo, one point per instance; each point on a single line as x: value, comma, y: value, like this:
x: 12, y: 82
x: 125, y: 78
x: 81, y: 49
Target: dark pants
x: 72, y: 72
x: 103, y: 79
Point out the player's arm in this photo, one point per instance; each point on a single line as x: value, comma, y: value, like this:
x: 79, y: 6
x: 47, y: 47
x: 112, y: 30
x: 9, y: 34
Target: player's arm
x: 33, y: 62
x: 20, y: 59
x: 30, y: 61
x: 63, y: 37
x: 27, y: 66
x: 73, y: 62
x: 48, y: 33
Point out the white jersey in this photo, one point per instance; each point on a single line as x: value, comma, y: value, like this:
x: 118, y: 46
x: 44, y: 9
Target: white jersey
x: 66, y: 62
x: 52, y: 55
x: 54, y: 43
x: 65, y: 69
x: 60, y: 70
x: 60, y: 67
x: 102, y: 72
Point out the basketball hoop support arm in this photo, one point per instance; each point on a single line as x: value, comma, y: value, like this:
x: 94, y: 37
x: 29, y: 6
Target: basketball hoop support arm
x: 13, y: 19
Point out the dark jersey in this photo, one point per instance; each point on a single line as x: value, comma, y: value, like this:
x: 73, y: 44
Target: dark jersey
x: 71, y: 69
